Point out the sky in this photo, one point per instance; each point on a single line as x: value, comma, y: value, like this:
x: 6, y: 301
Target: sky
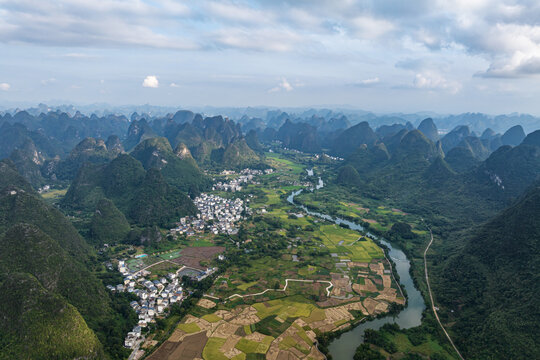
x: 378, y: 55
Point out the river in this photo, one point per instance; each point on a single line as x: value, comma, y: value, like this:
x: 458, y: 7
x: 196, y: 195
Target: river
x: 343, y: 347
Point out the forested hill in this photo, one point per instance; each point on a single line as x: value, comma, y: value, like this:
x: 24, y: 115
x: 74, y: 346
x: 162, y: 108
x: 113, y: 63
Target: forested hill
x: 55, y: 306
x: 484, y: 261
x: 142, y: 196
x: 493, y: 285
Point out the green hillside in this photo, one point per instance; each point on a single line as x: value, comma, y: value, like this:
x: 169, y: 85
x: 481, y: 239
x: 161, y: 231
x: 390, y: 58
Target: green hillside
x: 144, y: 197
x: 108, y: 224
x: 492, y: 285
x: 37, y: 324
x: 179, y: 169
x: 55, y: 266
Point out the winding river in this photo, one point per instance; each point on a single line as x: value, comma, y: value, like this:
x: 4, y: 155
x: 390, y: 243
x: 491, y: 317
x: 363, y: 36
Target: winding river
x: 343, y: 347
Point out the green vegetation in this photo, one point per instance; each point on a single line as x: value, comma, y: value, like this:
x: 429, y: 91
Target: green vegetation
x: 108, y: 224
x: 179, y: 169
x: 212, y: 349
x: 38, y: 324
x: 492, y: 282
x: 189, y: 328
x: 42, y: 249
x: 477, y: 293
x: 392, y: 341
x: 143, y: 197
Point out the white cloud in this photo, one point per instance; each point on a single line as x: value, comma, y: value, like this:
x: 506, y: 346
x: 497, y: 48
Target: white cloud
x: 79, y: 56
x: 48, y: 81
x: 433, y: 81
x: 233, y: 12
x: 174, y: 85
x: 371, y: 81
x: 150, y: 81
x: 4, y: 86
x: 99, y: 23
x: 367, y: 27
x: 283, y: 85
x: 258, y: 39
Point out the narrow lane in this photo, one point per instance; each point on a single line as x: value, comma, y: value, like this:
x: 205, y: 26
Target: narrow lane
x: 431, y: 295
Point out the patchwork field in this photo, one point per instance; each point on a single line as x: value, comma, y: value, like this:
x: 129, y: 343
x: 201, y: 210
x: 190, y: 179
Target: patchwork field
x: 278, y: 328
x: 289, y: 277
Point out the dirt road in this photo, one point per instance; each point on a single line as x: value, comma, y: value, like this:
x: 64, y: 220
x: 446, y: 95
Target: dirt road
x: 431, y: 296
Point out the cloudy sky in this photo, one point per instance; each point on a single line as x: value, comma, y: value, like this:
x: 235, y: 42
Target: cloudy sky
x: 379, y: 55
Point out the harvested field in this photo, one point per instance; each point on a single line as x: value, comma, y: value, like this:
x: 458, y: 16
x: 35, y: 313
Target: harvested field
x: 387, y: 281
x: 225, y: 330
x: 356, y: 306
x: 192, y: 256
x: 228, y: 349
x: 368, y: 286
x: 207, y: 304
x: 375, y: 307
x: 358, y: 264
x: 334, y: 301
x: 294, y: 343
x: 390, y: 295
x: 190, y: 348
x: 377, y: 267
x: 342, y: 285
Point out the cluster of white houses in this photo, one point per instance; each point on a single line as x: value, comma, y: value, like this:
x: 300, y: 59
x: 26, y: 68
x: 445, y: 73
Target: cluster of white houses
x: 217, y: 214
x: 246, y: 176
x: 155, y: 297
x: 323, y: 155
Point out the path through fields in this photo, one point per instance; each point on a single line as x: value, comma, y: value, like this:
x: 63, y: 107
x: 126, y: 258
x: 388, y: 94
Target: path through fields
x: 285, y: 288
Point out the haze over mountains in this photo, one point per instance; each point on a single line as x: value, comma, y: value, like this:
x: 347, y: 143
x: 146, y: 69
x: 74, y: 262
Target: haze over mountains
x: 54, y: 145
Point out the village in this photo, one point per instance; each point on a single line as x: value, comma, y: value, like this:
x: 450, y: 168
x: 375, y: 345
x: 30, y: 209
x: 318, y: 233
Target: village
x: 155, y: 297
x: 217, y: 214
x: 235, y: 184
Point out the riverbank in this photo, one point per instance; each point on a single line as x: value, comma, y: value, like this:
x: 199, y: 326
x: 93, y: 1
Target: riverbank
x: 344, y: 346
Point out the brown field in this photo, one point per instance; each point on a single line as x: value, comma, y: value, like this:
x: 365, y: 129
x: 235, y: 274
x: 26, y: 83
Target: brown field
x: 357, y: 264
x: 192, y: 256
x: 335, y: 302
x: 281, y: 348
x: 368, y: 286
x: 207, y: 304
x: 188, y: 349
x: 370, y: 221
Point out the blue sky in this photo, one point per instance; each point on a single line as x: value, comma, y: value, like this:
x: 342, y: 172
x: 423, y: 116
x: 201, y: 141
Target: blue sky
x: 385, y: 56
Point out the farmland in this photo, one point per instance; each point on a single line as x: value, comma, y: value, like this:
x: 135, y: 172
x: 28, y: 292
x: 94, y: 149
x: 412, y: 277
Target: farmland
x: 378, y: 215
x: 288, y: 277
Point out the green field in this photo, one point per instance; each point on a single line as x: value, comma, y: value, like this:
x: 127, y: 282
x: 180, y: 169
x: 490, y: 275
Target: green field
x: 347, y: 245
x: 189, y: 328
x: 250, y: 347
x: 140, y: 263
x: 212, y: 349
x: 171, y: 255
x: 285, y: 308
x: 54, y: 196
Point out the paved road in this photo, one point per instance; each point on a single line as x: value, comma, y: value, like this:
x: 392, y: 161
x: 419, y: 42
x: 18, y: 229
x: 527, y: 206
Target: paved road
x: 133, y: 354
x: 154, y: 264
x: 431, y: 296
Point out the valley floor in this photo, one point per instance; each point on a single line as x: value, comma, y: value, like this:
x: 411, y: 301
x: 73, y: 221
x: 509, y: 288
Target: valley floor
x: 290, y: 278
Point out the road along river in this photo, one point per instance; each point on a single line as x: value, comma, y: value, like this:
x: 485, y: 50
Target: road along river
x: 343, y: 347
